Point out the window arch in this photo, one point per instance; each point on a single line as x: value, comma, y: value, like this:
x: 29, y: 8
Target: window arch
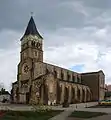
x: 68, y: 77
x: 78, y: 79
x: 73, y: 78
x: 62, y: 75
x: 47, y: 71
x: 33, y: 43
x: 55, y: 73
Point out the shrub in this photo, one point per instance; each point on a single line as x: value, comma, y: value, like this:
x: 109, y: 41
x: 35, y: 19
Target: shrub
x: 40, y: 107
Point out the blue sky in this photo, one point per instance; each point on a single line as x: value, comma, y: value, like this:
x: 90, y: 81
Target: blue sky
x: 78, y: 68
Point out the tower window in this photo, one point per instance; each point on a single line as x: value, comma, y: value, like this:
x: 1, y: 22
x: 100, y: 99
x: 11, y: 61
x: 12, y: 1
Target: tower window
x: 33, y: 43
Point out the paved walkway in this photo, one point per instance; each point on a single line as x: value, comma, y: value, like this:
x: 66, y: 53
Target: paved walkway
x: 62, y: 116
x: 81, y: 107
x: 67, y: 111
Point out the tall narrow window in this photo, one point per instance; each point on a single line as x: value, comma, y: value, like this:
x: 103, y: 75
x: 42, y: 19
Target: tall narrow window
x: 55, y: 73
x: 78, y: 79
x: 62, y: 76
x: 47, y: 71
x: 33, y: 43
x: 73, y: 77
x: 68, y: 77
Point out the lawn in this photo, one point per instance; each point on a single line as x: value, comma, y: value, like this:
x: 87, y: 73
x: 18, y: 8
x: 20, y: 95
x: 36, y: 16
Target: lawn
x: 85, y: 114
x: 29, y: 115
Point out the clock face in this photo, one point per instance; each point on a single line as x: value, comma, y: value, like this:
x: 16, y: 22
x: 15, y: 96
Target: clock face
x: 25, y: 68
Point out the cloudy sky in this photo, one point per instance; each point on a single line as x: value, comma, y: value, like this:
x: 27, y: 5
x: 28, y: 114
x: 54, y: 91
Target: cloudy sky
x: 77, y: 34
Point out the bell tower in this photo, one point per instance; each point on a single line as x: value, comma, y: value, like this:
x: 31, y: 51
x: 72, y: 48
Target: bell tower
x: 31, y: 53
x: 32, y: 43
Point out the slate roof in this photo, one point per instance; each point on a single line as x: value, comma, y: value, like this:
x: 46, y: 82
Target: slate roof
x: 31, y: 29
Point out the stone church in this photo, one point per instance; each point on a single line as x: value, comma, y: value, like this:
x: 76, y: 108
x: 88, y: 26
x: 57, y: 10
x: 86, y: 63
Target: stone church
x: 40, y: 82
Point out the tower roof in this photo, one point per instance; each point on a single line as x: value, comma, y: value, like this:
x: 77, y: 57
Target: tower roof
x: 31, y: 29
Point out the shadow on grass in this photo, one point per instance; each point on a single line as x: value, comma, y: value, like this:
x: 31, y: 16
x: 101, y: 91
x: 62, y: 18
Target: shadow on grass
x: 85, y: 114
x: 30, y: 115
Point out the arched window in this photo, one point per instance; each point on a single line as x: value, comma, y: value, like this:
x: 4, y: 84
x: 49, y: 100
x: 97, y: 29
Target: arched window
x: 68, y: 77
x: 62, y: 76
x: 55, y: 73
x: 47, y: 71
x: 73, y: 78
x: 78, y: 79
x: 33, y: 43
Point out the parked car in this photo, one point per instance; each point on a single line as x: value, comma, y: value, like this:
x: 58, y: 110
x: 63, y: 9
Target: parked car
x: 105, y: 102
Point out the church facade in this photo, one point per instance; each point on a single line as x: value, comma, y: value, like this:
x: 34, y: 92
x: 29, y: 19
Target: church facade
x: 40, y: 82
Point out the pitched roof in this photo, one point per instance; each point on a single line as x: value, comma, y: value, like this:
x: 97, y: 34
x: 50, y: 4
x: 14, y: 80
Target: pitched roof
x: 92, y: 72
x: 31, y: 29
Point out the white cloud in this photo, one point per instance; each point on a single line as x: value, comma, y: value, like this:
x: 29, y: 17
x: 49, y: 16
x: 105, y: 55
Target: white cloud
x: 73, y: 54
x: 8, y: 65
x: 9, y: 58
x: 86, y: 46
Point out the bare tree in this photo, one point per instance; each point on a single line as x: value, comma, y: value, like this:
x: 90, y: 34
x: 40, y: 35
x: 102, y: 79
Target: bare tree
x: 1, y: 85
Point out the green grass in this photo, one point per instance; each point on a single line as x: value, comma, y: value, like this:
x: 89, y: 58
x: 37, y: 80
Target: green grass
x: 29, y: 115
x: 85, y: 114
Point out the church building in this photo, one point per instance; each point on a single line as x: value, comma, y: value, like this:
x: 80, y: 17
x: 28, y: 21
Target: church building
x: 40, y: 82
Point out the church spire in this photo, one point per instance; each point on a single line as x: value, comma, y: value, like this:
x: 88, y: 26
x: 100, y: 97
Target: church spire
x: 31, y: 29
